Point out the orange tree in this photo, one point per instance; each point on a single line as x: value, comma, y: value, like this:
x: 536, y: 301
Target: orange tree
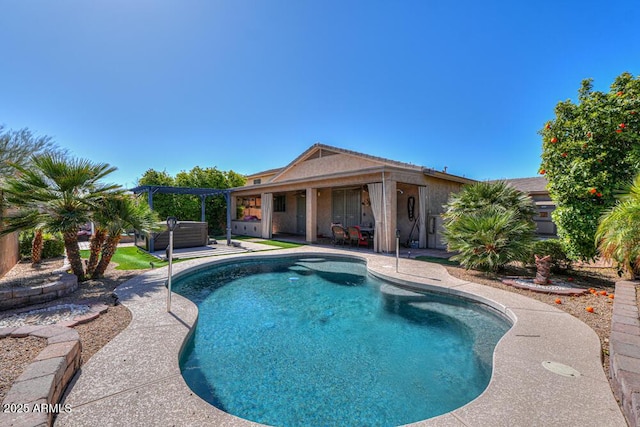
x: 590, y: 151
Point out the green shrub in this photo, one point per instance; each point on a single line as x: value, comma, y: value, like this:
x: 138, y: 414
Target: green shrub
x: 489, y: 225
x: 53, y: 245
x: 559, y: 260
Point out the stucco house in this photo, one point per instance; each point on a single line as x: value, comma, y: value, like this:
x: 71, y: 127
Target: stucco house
x: 536, y: 188
x: 326, y: 185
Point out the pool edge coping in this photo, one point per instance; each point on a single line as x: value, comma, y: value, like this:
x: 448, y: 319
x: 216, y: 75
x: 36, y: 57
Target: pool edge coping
x: 497, y: 405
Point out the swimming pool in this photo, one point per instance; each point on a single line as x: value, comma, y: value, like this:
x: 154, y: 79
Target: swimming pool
x: 318, y: 341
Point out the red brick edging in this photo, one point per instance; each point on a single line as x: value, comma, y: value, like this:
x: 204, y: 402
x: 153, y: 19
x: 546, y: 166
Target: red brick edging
x: 624, y: 351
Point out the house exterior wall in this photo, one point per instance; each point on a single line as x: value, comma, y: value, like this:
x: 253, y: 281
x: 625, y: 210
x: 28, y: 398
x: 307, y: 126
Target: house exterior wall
x: 324, y: 212
x: 285, y: 222
x: 337, y: 163
x: 439, y: 192
x: 321, y: 170
x: 260, y: 178
x: 408, y: 228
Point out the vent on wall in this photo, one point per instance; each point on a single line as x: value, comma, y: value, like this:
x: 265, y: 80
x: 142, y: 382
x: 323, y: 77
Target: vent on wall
x: 321, y: 153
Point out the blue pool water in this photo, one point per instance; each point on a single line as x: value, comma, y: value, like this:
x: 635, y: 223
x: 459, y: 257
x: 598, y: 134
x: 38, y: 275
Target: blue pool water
x: 319, y: 342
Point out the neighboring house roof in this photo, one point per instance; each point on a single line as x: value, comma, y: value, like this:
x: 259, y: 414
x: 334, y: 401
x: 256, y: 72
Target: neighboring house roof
x: 262, y: 173
x: 533, y: 185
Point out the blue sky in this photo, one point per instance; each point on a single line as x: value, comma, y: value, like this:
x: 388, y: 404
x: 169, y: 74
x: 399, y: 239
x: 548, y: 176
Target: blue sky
x: 249, y: 85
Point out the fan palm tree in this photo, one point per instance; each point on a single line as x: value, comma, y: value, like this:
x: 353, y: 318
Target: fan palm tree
x: 618, y: 234
x: 29, y: 219
x: 17, y: 148
x: 63, y: 193
x: 101, y: 219
x: 120, y: 213
x: 95, y: 247
x: 489, y: 224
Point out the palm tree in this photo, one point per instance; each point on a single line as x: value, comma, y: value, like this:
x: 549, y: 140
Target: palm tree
x: 29, y: 219
x: 17, y: 148
x: 489, y: 225
x: 123, y: 212
x: 618, y: 234
x: 95, y: 247
x: 62, y: 192
x: 101, y: 218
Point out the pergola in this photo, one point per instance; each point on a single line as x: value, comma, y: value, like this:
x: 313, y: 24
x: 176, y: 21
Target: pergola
x: 202, y: 192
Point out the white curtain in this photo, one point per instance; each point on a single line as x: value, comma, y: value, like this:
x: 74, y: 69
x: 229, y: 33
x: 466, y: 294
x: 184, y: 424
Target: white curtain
x: 422, y: 220
x: 377, y: 206
x: 267, y: 215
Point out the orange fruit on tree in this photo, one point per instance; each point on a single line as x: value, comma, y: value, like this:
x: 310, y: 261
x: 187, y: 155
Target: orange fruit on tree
x: 611, y: 296
x: 589, y: 309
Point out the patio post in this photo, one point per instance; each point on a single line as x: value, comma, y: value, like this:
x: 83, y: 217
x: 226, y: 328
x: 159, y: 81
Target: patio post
x: 227, y: 196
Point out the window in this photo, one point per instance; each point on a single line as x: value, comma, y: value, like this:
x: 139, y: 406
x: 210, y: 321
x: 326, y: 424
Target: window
x: 279, y: 203
x: 346, y: 208
x: 257, y: 181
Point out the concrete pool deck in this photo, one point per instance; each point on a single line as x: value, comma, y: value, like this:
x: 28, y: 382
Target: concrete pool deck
x: 135, y: 379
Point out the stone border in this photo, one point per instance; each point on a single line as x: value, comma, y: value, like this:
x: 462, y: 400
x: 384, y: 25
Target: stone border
x: 42, y: 383
x: 553, y: 288
x: 624, y: 351
x: 24, y: 296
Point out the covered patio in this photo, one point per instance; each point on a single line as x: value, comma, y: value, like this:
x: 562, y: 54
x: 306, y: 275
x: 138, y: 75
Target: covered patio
x: 329, y: 185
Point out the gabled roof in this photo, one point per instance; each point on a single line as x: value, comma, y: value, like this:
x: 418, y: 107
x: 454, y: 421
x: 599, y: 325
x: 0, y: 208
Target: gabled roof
x: 323, y: 150
x: 536, y: 184
x: 366, y: 164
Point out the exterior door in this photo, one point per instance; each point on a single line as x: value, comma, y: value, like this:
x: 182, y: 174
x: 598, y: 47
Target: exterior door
x: 301, y: 215
x: 346, y: 206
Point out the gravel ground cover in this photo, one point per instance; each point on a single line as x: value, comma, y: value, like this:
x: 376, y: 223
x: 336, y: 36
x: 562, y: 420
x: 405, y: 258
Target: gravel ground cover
x: 17, y: 353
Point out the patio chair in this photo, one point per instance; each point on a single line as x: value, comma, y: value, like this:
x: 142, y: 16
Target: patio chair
x: 356, y: 237
x: 339, y: 234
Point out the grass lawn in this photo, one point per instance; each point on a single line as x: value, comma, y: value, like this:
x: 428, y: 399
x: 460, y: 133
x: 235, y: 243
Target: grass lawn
x: 133, y: 258
x: 276, y: 243
x: 436, y: 260
x: 279, y: 244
